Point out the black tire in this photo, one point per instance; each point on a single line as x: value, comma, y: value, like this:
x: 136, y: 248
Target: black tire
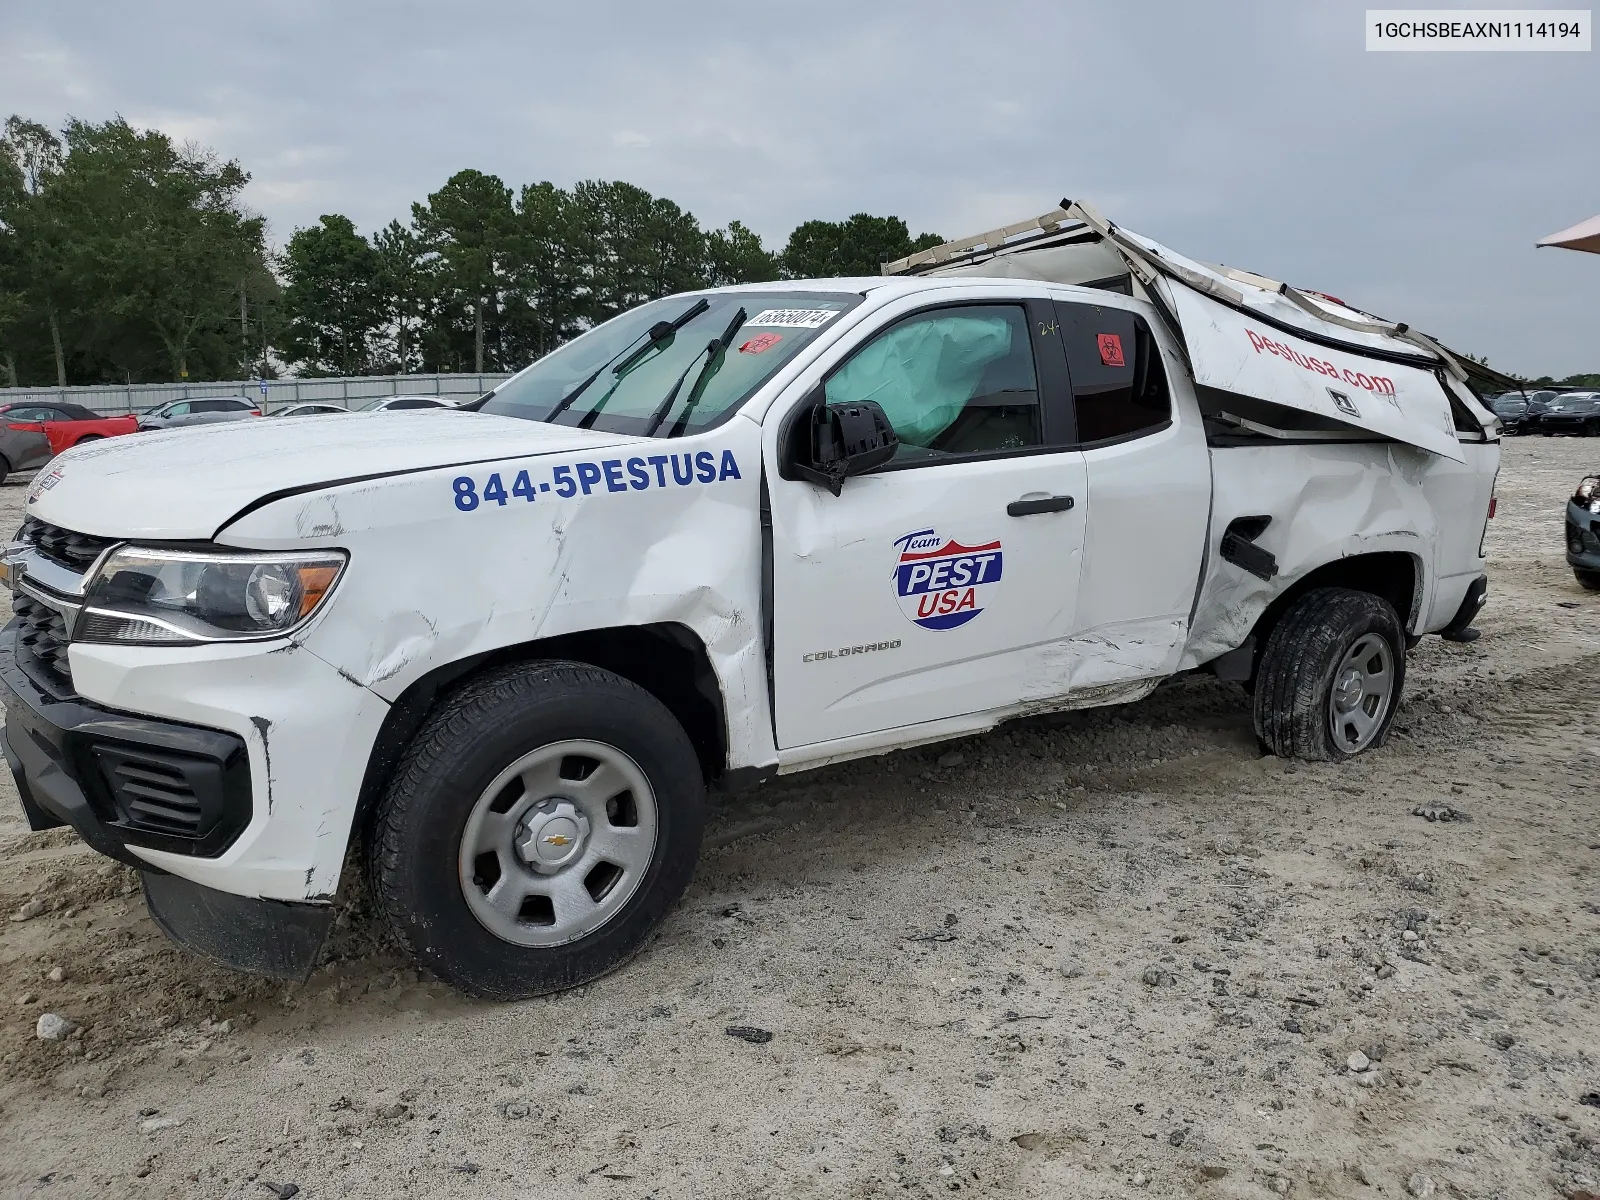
x: 5, y: 469
x: 1589, y: 581
x: 471, y: 739
x: 1296, y: 676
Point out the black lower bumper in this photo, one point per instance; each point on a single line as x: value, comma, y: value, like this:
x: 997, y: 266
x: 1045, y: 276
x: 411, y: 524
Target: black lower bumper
x: 1460, y: 627
x: 120, y: 780
x: 264, y: 937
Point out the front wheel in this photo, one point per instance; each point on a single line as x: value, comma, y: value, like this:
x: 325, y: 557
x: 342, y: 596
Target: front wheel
x: 538, y: 828
x: 1331, y: 676
x: 1589, y: 581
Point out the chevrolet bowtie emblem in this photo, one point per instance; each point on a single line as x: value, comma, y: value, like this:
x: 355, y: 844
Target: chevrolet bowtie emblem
x: 557, y: 839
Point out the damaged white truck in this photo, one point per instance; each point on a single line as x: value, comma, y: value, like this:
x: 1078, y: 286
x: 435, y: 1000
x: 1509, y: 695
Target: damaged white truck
x: 496, y: 657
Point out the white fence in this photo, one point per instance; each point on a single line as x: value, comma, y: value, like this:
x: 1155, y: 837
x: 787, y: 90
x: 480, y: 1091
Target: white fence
x: 273, y: 393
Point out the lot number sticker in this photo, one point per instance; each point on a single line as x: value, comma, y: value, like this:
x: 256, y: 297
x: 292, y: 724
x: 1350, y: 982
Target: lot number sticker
x: 794, y: 318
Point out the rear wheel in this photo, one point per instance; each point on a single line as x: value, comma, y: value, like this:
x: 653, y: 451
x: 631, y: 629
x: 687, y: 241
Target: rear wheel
x: 89, y: 437
x: 1589, y: 581
x: 5, y: 468
x: 538, y: 828
x: 1331, y: 676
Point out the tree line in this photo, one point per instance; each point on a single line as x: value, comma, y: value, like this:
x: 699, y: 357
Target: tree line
x: 127, y: 259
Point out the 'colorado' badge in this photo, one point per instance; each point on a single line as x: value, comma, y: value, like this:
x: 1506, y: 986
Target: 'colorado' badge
x: 942, y: 584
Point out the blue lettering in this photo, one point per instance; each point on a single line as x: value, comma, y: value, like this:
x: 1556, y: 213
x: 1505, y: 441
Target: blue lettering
x: 705, y: 467
x: 588, y: 476
x: 637, y: 473
x: 564, y: 482
x: 730, y: 468
x: 686, y: 476
x: 659, y: 462
x: 614, y: 480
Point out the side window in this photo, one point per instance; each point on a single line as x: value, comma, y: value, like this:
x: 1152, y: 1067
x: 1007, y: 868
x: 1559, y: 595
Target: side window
x: 181, y: 409
x: 20, y: 415
x: 413, y: 404
x: 954, y: 382
x: 1119, y: 388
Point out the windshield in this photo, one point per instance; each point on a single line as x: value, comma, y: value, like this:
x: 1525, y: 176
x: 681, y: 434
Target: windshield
x: 632, y: 375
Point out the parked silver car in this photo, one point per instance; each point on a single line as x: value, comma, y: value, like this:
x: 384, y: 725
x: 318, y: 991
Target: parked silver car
x: 205, y: 410
x: 308, y: 410
x: 390, y: 403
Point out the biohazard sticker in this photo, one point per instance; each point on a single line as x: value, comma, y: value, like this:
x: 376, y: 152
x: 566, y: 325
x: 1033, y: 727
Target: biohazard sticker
x: 762, y: 341
x: 942, y: 584
x: 1110, y: 348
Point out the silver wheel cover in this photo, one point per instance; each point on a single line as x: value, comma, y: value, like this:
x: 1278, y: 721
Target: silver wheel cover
x: 558, y: 843
x: 1363, y: 689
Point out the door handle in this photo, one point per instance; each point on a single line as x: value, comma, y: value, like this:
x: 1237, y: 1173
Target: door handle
x: 1045, y: 504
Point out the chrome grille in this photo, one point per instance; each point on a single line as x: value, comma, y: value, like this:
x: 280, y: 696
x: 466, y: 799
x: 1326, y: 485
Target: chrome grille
x: 42, y: 636
x: 75, y: 551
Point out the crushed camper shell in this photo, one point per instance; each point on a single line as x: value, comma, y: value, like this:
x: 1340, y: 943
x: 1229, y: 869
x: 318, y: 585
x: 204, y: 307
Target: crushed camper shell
x: 1247, y: 335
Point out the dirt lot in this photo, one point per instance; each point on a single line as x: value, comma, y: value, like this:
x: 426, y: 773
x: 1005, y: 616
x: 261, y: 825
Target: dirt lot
x: 1116, y: 954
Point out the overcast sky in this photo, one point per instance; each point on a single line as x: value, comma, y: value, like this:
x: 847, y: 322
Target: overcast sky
x: 1260, y: 135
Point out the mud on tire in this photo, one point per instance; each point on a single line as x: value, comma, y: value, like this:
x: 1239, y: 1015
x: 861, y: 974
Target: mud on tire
x: 507, y: 754
x: 1324, y: 661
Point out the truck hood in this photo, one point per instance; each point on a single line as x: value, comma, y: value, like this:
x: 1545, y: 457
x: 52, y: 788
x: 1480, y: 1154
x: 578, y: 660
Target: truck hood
x: 189, y: 483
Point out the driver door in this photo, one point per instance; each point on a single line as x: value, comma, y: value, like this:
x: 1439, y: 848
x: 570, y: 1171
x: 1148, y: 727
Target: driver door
x: 945, y: 582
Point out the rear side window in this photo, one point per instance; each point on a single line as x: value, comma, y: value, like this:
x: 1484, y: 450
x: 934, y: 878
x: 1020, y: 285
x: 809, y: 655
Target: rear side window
x: 1119, y: 388
x: 415, y: 404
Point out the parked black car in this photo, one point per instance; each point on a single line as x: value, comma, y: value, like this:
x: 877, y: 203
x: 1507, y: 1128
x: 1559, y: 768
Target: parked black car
x: 1512, y: 409
x: 1576, y: 413
x: 1583, y: 533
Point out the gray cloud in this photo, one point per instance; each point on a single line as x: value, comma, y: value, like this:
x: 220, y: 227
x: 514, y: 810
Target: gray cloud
x: 1262, y: 135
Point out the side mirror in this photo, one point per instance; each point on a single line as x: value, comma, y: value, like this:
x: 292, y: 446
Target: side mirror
x: 844, y: 440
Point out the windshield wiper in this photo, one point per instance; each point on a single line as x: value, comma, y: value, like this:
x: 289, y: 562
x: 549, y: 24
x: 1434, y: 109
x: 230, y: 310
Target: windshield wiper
x: 657, y: 333
x: 714, y: 350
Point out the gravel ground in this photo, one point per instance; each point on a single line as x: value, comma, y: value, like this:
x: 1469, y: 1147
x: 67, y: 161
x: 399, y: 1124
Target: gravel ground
x: 1112, y: 954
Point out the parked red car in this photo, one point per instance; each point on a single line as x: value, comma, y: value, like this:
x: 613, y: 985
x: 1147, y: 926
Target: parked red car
x: 32, y: 434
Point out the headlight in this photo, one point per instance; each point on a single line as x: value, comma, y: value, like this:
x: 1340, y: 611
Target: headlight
x: 1588, y: 490
x: 163, y: 597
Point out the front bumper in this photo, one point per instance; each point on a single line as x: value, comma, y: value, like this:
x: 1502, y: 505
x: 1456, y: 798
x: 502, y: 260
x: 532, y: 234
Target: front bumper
x: 1574, y: 426
x: 1583, y: 538
x: 125, y: 782
x: 120, y: 780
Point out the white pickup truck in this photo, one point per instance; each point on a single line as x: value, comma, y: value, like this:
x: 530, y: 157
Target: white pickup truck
x: 496, y: 657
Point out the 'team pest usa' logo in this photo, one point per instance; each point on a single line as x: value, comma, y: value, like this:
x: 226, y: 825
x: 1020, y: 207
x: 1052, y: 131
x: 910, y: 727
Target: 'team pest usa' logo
x: 941, y: 583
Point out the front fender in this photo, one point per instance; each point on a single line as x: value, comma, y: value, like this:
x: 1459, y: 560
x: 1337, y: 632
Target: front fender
x: 663, y: 532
